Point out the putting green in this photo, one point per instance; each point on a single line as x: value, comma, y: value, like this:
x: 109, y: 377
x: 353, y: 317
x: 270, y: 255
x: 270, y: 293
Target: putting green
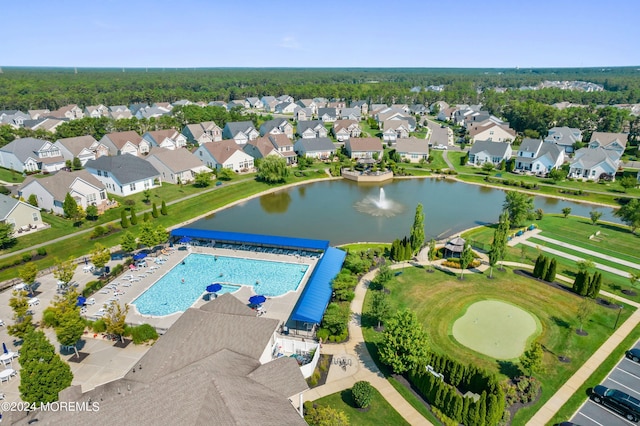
x: 497, y: 329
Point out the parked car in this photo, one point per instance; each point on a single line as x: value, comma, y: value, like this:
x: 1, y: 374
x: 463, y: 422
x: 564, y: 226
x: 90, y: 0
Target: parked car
x: 618, y: 401
x: 633, y: 354
x: 444, y: 147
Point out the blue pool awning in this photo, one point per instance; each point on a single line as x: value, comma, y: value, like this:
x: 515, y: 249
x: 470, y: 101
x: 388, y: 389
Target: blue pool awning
x: 256, y: 239
x: 315, y: 297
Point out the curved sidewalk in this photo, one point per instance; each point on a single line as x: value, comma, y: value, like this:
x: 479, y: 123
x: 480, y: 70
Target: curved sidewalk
x: 364, y: 368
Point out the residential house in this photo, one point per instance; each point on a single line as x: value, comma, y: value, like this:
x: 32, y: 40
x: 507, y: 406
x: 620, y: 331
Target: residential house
x: 393, y: 114
x: 19, y: 214
x: 255, y: 103
x: 338, y: 105
x: 446, y: 114
x: 364, y: 148
x: 539, y: 157
x: 401, y: 107
x: 14, y: 118
x: 170, y: 139
x: 284, y: 147
x: 69, y: 112
x: 260, y: 148
x: 374, y: 109
x: 241, y: 103
x: 176, y: 166
x: 128, y: 142
x: 120, y: 112
x: 320, y: 102
x: 489, y: 131
x: 240, y: 131
x: 285, y: 98
x: 51, y: 191
x: 84, y: 148
x: 156, y: 110
x: 412, y: 149
x: 351, y: 114
x: 345, y: 129
x: 419, y: 109
x: 224, y: 154
x: 135, y: 107
x: 311, y: 129
x: 96, y: 111
x: 395, y: 129
x: 31, y: 155
x: 304, y: 114
x: 286, y: 108
x: 48, y: 124
x: 269, y: 103
x: 594, y: 164
x: 363, y: 106
x: 610, y: 141
x: 438, y: 106
x: 219, y: 104
x: 308, y: 103
x: 277, y: 126
x: 565, y: 137
x: 215, y: 365
x: 204, y: 132
x: 318, y: 148
x: 489, y: 152
x: 181, y: 102
x: 327, y: 115
x: 124, y: 174
x: 38, y: 113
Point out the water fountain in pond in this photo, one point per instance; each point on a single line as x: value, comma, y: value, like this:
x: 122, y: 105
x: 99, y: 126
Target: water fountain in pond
x: 380, y: 206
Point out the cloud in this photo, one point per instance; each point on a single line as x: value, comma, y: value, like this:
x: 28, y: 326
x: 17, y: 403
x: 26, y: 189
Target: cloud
x: 289, y: 42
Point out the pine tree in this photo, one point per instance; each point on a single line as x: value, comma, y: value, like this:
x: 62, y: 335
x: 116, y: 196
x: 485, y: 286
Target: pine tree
x: 551, y: 272
x: 464, y: 415
x: 154, y: 211
x: 134, y: 218
x: 417, y: 230
x: 163, y: 209
x: 537, y: 268
x: 578, y: 283
x: 124, y: 220
x: 146, y: 217
x: 482, y: 410
x: 594, y: 285
x: 545, y: 268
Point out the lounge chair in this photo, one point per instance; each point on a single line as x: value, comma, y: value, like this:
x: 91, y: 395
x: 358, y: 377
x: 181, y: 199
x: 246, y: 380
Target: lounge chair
x: 91, y: 301
x: 1, y: 322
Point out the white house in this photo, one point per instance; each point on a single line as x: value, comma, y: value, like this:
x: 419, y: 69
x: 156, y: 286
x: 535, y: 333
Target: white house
x: 277, y: 126
x: 490, y: 131
x: 204, y: 132
x: 319, y: 148
x: 51, y: 191
x: 364, y: 148
x: 565, y: 137
x: 128, y: 142
x: 84, y: 148
x: 19, y: 214
x: 170, y: 139
x: 124, y: 174
x: 224, y: 154
x: 594, y: 164
x: 176, y: 165
x: 610, y: 141
x: 311, y: 129
x: 31, y: 155
x: 412, y: 149
x: 345, y: 129
x: 489, y: 152
x: 539, y: 157
x: 240, y: 131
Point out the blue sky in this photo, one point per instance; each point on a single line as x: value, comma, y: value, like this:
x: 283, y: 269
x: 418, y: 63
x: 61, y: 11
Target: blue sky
x: 275, y: 33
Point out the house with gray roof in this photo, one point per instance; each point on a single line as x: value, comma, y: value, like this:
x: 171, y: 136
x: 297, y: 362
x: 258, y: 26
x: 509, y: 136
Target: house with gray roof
x: 327, y: 115
x: 31, y: 155
x: 255, y: 103
x: 419, y: 109
x: 51, y: 191
x: 240, y: 131
x: 308, y: 103
x: 96, y: 111
x: 213, y: 366
x: 120, y: 112
x: 238, y: 103
x: 204, y: 132
x: 351, y: 114
x: 565, y: 137
x: 48, y: 124
x: 176, y: 166
x: 610, y: 141
x: 277, y: 126
x: 489, y: 152
x: 539, y: 157
x: 286, y: 108
x: 14, y: 118
x: 19, y: 214
x: 154, y: 111
x: 412, y: 149
x: 124, y: 174
x: 84, y: 148
x: 594, y: 164
x: 220, y: 104
x: 319, y: 148
x: 304, y: 114
x: 363, y: 106
x: 168, y: 138
x: 311, y: 129
x: 269, y: 103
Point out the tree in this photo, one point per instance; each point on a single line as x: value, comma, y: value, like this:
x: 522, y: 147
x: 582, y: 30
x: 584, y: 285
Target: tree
x: 146, y: 194
x: 595, y: 216
x: 202, y: 179
x: 115, y: 319
x: 380, y: 307
x: 162, y: 236
x: 595, y: 283
x: 499, y: 244
x: 336, y: 318
x: 581, y: 283
x: 431, y: 254
x: 488, y: 167
x: 61, y: 304
x: 124, y: 220
x: 557, y: 175
x: 362, y: 392
x: 64, y: 270
x: 70, y: 328
x: 326, y: 416
x: 630, y: 214
x: 225, y: 174
x: 23, y: 321
x: 100, y: 256
x: 33, y: 200
x: 273, y: 169
x: 154, y: 211
x: 466, y: 257
x: 146, y: 217
x: 537, y: 268
x: 585, y: 265
x: 128, y: 242
x: 566, y: 211
x: 163, y: 209
x: 417, y: 230
x: 627, y: 182
x: 531, y: 359
x: 147, y: 235
x: 79, y: 215
x: 28, y: 273
x: 585, y: 309
x: 519, y: 206
x: 634, y: 277
x: 92, y: 212
x: 404, y: 345
x: 69, y: 206
x: 134, y: 217
x: 551, y: 272
x: 43, y: 373
x: 6, y: 235
x: 77, y: 164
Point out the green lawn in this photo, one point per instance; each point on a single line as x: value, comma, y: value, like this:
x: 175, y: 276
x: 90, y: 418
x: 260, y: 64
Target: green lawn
x: 438, y: 162
x: 439, y: 298
x: 380, y: 411
x: 10, y: 176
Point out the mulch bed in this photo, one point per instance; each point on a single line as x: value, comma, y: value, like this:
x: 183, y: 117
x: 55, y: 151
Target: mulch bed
x: 325, y: 373
x: 554, y: 284
x: 564, y: 359
x: 630, y: 292
x: 121, y: 344
x: 77, y: 359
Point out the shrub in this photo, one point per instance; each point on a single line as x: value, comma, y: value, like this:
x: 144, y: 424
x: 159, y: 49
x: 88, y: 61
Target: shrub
x: 92, y: 287
x: 26, y: 257
x: 99, y: 326
x: 362, y: 392
x: 322, y: 334
x: 143, y: 333
x: 117, y: 269
x: 98, y: 232
x: 49, y: 318
x: 41, y: 251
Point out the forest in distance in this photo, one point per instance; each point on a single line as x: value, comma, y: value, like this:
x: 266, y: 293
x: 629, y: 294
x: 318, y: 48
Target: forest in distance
x: 39, y: 88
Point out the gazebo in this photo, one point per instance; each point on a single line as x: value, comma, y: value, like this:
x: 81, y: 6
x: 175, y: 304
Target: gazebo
x: 454, y: 247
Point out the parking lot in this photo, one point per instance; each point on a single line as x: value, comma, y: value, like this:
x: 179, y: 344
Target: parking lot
x: 624, y: 377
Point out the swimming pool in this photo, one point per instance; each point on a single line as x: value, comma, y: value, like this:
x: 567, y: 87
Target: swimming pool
x: 170, y: 294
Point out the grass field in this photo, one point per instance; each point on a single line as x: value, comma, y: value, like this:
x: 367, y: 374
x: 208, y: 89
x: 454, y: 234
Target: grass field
x: 379, y: 413
x: 439, y: 298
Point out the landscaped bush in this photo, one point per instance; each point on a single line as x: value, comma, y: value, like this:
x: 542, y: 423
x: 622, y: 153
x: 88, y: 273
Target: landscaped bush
x: 362, y: 392
x: 143, y: 333
x: 92, y: 287
x: 322, y: 334
x: 26, y: 257
x: 98, y: 232
x: 455, y: 263
x: 99, y: 326
x: 41, y: 251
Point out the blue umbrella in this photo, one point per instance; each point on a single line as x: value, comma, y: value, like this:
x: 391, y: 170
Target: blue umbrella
x: 81, y: 301
x: 212, y: 288
x: 257, y: 299
x: 4, y: 348
x: 139, y: 256
x: 184, y: 240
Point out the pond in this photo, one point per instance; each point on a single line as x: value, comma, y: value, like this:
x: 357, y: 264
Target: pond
x: 343, y: 211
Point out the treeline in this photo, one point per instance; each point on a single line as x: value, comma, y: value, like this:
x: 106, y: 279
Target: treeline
x: 36, y: 88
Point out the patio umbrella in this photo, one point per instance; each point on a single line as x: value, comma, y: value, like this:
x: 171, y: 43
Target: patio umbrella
x: 257, y: 299
x: 4, y: 348
x: 184, y: 240
x: 81, y: 301
x: 212, y: 288
x: 139, y: 256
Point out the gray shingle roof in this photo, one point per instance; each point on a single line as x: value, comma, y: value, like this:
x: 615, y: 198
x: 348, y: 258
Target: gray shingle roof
x: 125, y: 168
x: 77, y: 144
x: 7, y: 204
x: 565, y: 136
x: 58, y: 185
x: 24, y: 148
x: 587, y: 158
x: 234, y: 127
x: 177, y: 160
x: 315, y: 144
x: 412, y: 146
x: 310, y: 124
x: 331, y: 112
x: 495, y: 149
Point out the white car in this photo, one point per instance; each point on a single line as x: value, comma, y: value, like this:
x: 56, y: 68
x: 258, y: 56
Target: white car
x: 443, y: 147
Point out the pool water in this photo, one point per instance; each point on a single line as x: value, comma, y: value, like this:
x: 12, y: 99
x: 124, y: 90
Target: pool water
x: 183, y: 285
